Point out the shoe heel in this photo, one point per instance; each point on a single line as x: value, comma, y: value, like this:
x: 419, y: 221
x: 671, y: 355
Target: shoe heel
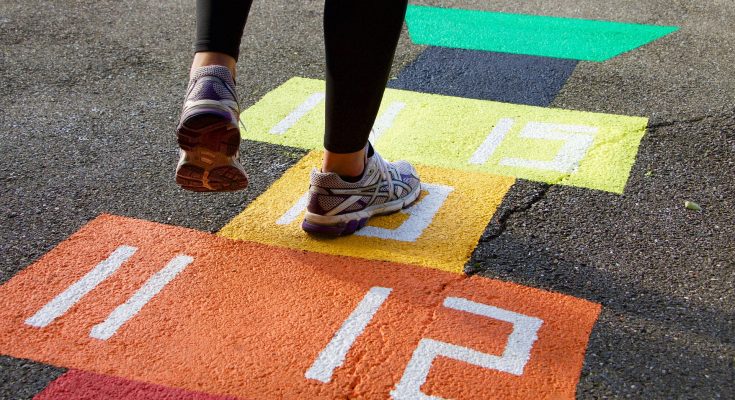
x: 222, y: 179
x: 210, y: 129
x: 209, y: 140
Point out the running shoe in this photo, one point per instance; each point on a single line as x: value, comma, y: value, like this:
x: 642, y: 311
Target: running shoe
x: 337, y: 207
x: 208, y: 134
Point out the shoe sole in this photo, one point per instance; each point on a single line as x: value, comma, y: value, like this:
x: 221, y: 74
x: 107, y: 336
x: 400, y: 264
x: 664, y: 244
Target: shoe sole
x: 209, y: 143
x: 352, y: 222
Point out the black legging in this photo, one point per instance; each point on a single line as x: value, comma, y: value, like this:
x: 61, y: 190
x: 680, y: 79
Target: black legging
x: 360, y: 38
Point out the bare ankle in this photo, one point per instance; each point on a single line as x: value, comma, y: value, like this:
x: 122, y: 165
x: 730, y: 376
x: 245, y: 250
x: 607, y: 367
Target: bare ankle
x: 344, y: 164
x: 204, y: 58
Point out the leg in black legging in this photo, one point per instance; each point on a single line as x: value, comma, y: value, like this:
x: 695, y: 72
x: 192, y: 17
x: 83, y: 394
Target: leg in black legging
x: 220, y: 24
x: 207, y: 132
x: 360, y: 40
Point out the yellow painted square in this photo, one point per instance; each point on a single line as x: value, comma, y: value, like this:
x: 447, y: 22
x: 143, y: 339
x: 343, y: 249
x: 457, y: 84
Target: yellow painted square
x: 556, y: 146
x: 446, y: 243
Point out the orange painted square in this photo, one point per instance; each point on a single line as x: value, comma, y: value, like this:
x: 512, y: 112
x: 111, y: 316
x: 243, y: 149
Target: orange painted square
x: 248, y: 320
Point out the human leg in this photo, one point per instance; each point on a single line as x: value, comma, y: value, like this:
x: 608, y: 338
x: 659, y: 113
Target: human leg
x: 355, y: 182
x: 208, y: 131
x: 360, y: 39
x: 206, y: 58
x: 220, y: 25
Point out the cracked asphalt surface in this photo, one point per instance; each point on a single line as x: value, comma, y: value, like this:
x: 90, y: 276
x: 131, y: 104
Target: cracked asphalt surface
x: 92, y: 90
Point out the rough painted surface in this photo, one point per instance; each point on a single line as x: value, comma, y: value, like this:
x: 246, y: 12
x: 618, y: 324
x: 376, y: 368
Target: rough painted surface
x: 217, y: 329
x: 99, y: 138
x: 475, y: 74
x: 77, y: 385
x: 572, y: 38
x: 445, y: 240
x: 556, y: 146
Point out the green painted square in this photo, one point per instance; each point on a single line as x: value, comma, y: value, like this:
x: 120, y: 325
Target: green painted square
x: 578, y: 39
x: 596, y: 150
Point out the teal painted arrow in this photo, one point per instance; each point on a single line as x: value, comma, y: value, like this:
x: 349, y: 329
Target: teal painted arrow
x: 578, y: 39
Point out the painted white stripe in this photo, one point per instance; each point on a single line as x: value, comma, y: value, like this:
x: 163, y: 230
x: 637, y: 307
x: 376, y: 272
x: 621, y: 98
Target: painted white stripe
x: 135, y: 303
x: 420, y: 217
x: 295, y: 210
x: 66, y: 299
x: 297, y: 114
x: 492, y: 141
x: 333, y: 356
x: 385, y: 120
x: 518, y: 347
x: 577, y: 141
x: 513, y: 360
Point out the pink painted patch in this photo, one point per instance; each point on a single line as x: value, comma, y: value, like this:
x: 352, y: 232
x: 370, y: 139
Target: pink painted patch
x: 81, y: 385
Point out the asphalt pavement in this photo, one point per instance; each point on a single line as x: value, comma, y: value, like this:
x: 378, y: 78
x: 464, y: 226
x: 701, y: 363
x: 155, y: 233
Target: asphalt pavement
x: 91, y: 95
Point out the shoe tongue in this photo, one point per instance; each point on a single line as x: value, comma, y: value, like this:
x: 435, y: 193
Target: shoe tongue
x: 220, y: 71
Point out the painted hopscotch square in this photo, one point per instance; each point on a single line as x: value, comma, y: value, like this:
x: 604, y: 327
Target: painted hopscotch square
x: 575, y: 148
x: 439, y: 231
x: 578, y: 39
x: 248, y: 320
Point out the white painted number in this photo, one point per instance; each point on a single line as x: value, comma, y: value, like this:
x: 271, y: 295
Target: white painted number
x: 135, y: 303
x: 297, y: 114
x: 333, y: 356
x: 385, y: 121
x: 66, y: 299
x: 492, y: 141
x: 577, y: 141
x: 514, y: 358
x: 382, y: 123
x: 420, y: 216
x: 292, y: 213
x: 74, y: 293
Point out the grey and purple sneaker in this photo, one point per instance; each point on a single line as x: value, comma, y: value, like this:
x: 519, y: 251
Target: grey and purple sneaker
x: 208, y: 134
x: 337, y: 207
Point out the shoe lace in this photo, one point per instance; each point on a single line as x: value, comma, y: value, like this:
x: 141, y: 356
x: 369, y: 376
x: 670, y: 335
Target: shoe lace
x: 384, y: 170
x: 233, y: 90
x: 241, y: 124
